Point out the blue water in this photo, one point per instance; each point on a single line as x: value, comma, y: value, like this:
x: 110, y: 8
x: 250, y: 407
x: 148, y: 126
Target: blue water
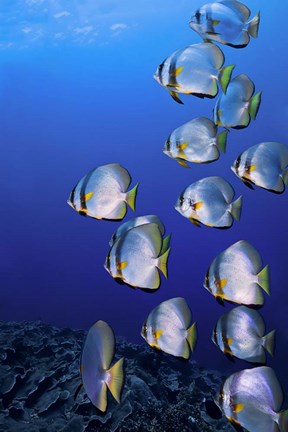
x: 71, y: 103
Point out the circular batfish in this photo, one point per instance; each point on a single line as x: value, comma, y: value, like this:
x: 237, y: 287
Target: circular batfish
x: 209, y: 201
x: 137, y: 255
x: 236, y: 275
x: 252, y: 399
x: 194, y: 70
x: 168, y: 328
x: 264, y: 165
x: 225, y: 22
x: 102, y: 193
x: 196, y: 141
x: 96, y: 371
x: 241, y: 333
x: 236, y: 108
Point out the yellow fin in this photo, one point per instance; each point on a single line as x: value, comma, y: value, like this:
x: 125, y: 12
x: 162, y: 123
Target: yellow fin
x: 215, y: 22
x: 182, y: 163
x: 158, y: 333
x: 154, y: 345
x: 178, y: 71
x: 175, y: 96
x: 197, y: 205
x: 252, y: 168
x: 238, y: 407
x: 122, y: 265
x: 229, y: 341
x: 88, y: 196
x: 195, y: 222
x: 221, y: 283
x: 115, y: 379
x: 183, y: 145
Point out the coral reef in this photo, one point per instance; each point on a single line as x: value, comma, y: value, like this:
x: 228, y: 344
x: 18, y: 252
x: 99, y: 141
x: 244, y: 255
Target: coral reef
x: 39, y: 375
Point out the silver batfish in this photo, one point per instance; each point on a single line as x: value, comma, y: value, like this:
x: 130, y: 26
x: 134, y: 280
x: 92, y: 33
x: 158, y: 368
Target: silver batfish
x: 226, y: 22
x: 264, y: 165
x: 237, y: 275
x: 96, y: 371
x: 196, y: 70
x: 236, y: 108
x: 241, y: 333
x: 102, y: 193
x: 252, y: 399
x: 196, y: 141
x: 209, y: 201
x: 137, y: 255
x: 168, y: 328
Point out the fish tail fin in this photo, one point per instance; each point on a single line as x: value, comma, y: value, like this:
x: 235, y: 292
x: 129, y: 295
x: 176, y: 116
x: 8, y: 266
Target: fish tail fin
x: 236, y: 208
x: 192, y: 336
x: 283, y: 421
x: 264, y: 279
x: 115, y: 379
x: 225, y: 76
x: 131, y: 197
x: 254, y: 105
x: 165, y: 244
x: 162, y: 262
x: 285, y: 176
x: 269, y: 342
x: 253, y: 26
x: 221, y: 140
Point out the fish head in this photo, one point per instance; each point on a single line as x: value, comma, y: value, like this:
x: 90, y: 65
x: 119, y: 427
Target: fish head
x: 162, y: 73
x: 167, y: 147
x: 238, y: 166
x: 197, y: 20
x: 183, y: 206
x: 148, y: 334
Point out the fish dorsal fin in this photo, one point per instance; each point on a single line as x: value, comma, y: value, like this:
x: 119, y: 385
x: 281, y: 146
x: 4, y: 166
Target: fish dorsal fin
x: 152, y: 234
x: 119, y: 173
x: 242, y: 10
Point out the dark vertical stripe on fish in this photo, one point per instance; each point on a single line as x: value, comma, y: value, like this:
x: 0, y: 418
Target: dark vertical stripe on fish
x: 224, y: 331
x: 72, y: 197
x: 82, y: 193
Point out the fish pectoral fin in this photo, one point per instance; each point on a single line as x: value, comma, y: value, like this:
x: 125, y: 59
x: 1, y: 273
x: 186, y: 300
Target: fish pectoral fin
x: 235, y: 424
x: 87, y: 197
x: 158, y: 333
x: 175, y: 96
x: 237, y: 408
x: 182, y: 163
x: 221, y: 283
x: 178, y: 71
x: 229, y: 341
x: 122, y: 265
x: 182, y: 146
x: 252, y: 168
x: 215, y: 22
x: 197, y: 205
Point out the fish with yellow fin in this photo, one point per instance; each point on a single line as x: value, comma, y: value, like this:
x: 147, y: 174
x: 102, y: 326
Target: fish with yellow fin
x: 103, y: 193
x: 209, y: 201
x: 237, y: 275
x: 136, y: 257
x: 264, y: 165
x: 96, y: 371
x: 196, y: 141
x: 168, y: 328
x: 195, y: 70
x: 226, y: 22
x: 241, y: 333
x: 252, y: 399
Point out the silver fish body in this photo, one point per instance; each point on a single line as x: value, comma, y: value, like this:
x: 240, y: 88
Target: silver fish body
x: 241, y: 333
x: 236, y: 108
x: 141, y: 220
x: 252, y: 398
x: 209, y: 201
x: 237, y: 275
x: 136, y: 256
x: 264, y: 165
x: 102, y: 193
x: 195, y: 69
x: 168, y: 328
x: 226, y: 22
x: 195, y: 141
x: 96, y: 371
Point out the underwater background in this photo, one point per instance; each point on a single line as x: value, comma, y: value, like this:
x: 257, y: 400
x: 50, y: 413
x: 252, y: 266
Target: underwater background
x: 77, y: 91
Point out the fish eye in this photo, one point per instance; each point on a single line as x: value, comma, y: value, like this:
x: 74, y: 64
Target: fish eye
x: 237, y: 163
x: 181, y: 200
x: 168, y: 144
x: 198, y: 16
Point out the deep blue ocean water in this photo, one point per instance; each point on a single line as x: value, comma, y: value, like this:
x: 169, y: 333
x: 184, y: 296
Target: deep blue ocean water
x: 84, y: 98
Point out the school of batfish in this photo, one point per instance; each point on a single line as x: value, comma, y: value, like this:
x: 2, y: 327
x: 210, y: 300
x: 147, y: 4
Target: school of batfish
x: 139, y: 250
